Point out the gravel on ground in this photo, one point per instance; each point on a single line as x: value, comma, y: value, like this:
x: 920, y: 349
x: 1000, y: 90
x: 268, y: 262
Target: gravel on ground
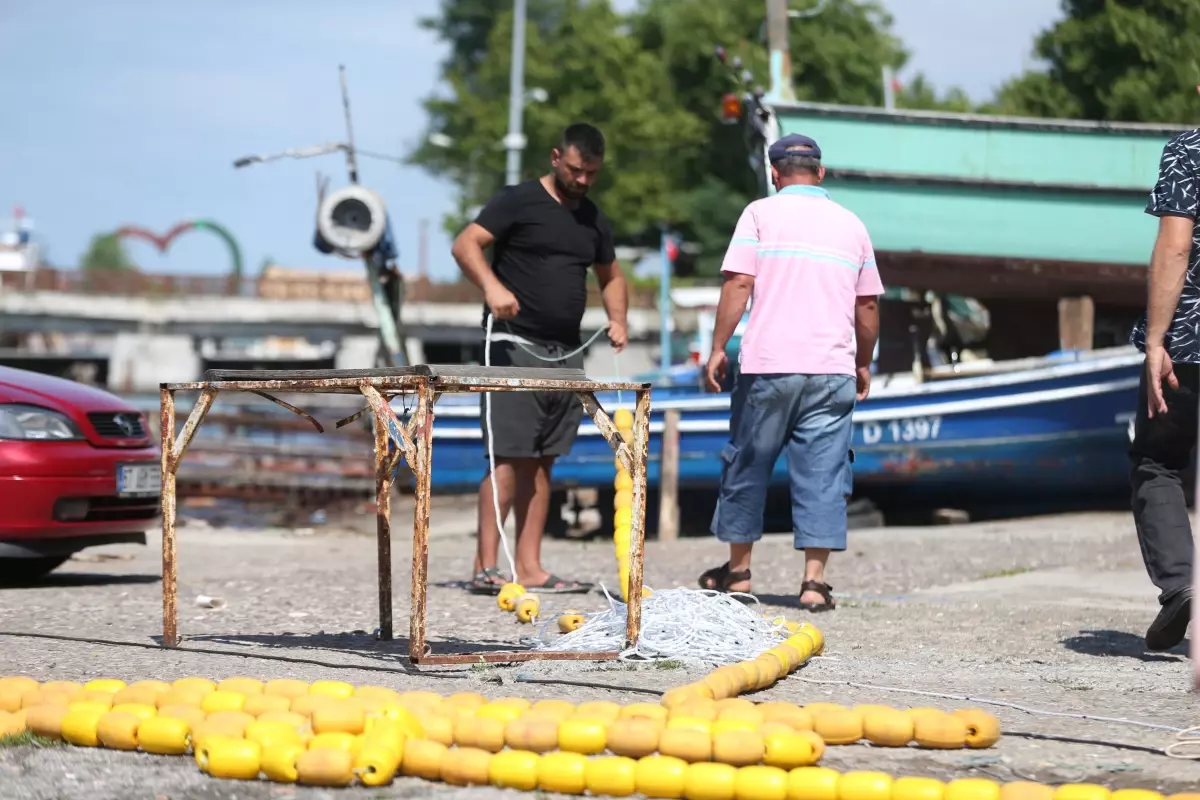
x: 1046, y: 613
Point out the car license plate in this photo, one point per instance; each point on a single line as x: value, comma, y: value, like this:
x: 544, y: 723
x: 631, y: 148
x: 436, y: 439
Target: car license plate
x: 139, y: 480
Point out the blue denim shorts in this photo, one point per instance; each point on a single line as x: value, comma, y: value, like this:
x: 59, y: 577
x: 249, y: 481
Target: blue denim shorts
x: 808, y: 419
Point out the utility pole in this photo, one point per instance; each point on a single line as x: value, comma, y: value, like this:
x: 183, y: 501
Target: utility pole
x: 665, y: 311
x: 423, y: 249
x: 780, y: 57
x: 351, y: 158
x: 889, y: 88
x: 514, y: 142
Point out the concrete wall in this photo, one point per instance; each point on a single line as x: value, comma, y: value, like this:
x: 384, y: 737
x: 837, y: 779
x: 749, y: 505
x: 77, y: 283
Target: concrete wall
x: 213, y: 316
x: 356, y: 352
x: 139, y: 362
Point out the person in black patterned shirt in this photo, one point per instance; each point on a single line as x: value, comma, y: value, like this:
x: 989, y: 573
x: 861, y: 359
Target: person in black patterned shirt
x: 1164, y: 436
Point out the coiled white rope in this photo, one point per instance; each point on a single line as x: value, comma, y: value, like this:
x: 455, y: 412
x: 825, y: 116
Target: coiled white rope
x: 690, y: 625
x: 1188, y: 746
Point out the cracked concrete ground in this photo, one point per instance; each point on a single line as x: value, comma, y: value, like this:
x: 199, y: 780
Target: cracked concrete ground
x: 1046, y: 613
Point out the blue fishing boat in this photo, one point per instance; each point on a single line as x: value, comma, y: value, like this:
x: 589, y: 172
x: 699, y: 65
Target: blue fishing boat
x: 1056, y: 425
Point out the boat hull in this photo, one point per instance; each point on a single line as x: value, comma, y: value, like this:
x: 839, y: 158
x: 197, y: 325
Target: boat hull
x: 1059, y: 428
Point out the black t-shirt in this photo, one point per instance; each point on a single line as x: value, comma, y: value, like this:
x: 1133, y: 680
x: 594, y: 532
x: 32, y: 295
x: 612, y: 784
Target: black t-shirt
x: 542, y: 254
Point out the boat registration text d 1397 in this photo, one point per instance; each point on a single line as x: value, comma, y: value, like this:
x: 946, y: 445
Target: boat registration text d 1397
x: 909, y: 429
x: 139, y: 480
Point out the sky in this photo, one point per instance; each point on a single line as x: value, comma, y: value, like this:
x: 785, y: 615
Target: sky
x: 131, y: 112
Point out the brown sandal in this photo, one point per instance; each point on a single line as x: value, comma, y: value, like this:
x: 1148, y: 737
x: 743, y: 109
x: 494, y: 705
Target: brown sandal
x: 719, y: 579
x: 825, y: 590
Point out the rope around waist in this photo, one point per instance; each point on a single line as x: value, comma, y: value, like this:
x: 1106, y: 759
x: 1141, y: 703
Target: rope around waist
x: 525, y: 344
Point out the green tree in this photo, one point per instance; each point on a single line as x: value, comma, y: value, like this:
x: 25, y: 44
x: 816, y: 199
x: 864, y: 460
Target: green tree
x: 591, y: 70
x: 1114, y: 60
x: 651, y: 81
x: 106, y: 253
x: 466, y: 25
x: 918, y: 94
x: 837, y: 57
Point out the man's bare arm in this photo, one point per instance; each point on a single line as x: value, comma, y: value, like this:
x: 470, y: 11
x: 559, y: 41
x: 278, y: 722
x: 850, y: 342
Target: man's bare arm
x: 468, y: 252
x: 613, y: 291
x: 866, y: 329
x: 1168, y: 266
x: 735, y: 294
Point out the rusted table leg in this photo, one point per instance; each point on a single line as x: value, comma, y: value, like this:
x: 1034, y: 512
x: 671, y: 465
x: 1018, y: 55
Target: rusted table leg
x: 195, y: 418
x: 172, y: 453
x: 169, y: 588
x: 607, y: 429
x: 422, y: 472
x: 383, y: 523
x: 637, y: 534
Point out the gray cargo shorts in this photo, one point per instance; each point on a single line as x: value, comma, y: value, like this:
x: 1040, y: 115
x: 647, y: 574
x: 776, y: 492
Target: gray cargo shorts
x: 532, y: 424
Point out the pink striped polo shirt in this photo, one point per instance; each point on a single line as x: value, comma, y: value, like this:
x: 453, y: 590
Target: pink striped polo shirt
x: 810, y: 258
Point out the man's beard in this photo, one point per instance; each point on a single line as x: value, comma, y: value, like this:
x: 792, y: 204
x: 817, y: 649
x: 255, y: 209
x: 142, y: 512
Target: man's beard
x: 565, y: 190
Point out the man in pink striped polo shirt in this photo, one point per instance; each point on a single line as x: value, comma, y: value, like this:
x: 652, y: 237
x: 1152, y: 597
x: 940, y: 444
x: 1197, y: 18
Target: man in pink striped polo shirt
x: 804, y: 363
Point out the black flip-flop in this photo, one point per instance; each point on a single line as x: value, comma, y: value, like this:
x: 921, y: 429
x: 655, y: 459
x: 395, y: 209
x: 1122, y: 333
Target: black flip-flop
x: 484, y: 582
x: 825, y: 590
x: 556, y: 585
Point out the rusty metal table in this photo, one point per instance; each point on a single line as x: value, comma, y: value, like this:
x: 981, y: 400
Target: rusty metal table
x: 414, y: 444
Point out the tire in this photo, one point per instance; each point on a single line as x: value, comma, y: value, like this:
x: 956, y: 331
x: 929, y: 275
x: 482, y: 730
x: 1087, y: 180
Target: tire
x: 25, y: 570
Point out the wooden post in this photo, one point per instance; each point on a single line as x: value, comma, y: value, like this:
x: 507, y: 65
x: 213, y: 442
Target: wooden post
x: 668, y: 479
x: 1076, y: 323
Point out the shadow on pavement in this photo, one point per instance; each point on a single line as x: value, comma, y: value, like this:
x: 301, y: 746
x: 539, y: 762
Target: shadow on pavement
x: 357, y: 643
x: 1120, y: 643
x: 395, y: 656
x: 71, y: 579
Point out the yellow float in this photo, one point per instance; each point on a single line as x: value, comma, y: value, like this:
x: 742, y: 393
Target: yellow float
x: 702, y: 742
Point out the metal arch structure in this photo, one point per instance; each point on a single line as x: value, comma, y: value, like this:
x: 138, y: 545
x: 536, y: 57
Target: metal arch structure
x: 163, y: 242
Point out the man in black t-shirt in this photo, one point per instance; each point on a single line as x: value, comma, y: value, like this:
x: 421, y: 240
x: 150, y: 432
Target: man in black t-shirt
x: 545, y: 236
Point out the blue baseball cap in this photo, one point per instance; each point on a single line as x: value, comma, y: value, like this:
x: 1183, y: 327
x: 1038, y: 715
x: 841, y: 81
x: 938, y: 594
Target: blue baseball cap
x: 793, y: 145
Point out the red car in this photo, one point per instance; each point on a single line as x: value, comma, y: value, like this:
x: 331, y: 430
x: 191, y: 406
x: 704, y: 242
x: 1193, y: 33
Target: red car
x: 77, y: 469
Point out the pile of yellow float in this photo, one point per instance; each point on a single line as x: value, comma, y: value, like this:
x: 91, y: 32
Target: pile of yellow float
x: 330, y: 733
x: 513, y: 597
x: 623, y: 504
x: 702, y: 742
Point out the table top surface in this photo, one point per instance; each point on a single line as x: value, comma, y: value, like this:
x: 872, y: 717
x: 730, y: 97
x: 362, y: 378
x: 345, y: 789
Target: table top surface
x: 443, y: 377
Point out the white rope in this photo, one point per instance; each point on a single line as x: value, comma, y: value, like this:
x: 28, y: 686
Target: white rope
x: 553, y: 359
x: 690, y: 625
x: 617, y: 375
x: 487, y: 405
x: 1188, y: 738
